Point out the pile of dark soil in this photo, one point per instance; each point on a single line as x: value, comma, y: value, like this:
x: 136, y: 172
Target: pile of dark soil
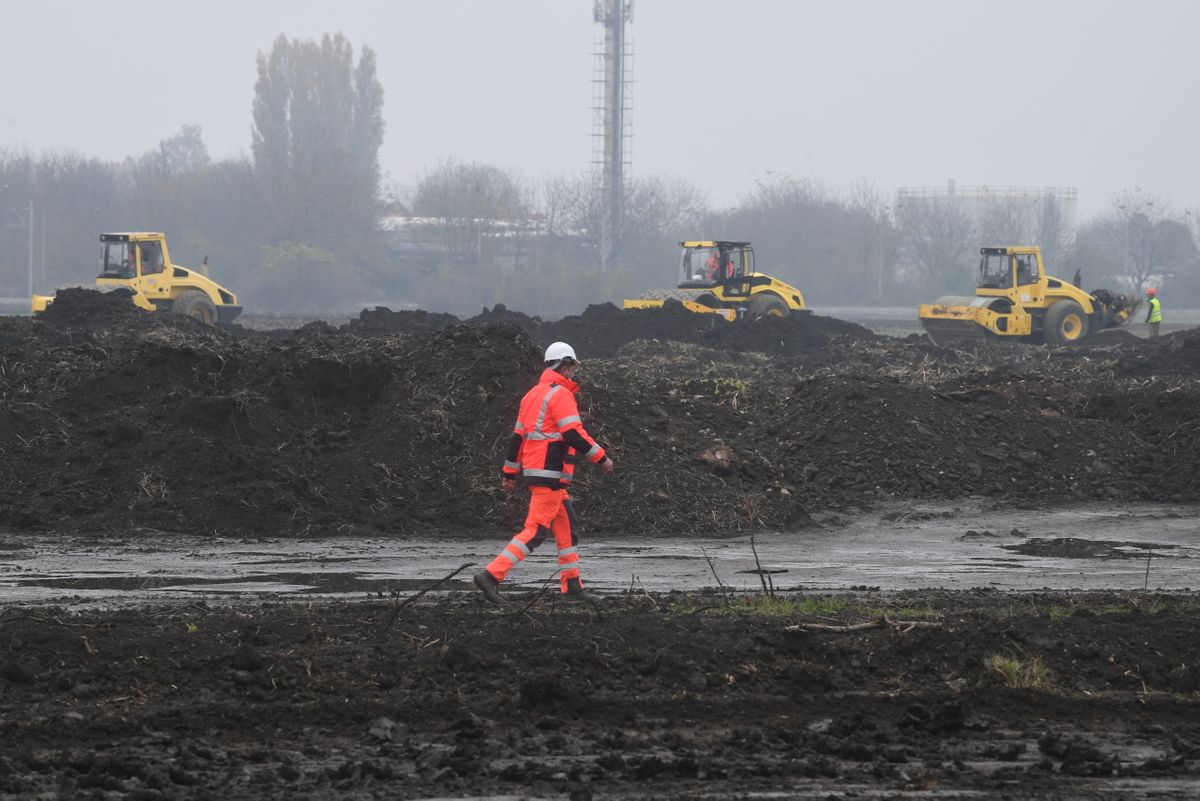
x: 668, y: 697
x: 381, y: 320
x: 77, y: 306
x: 112, y: 420
x: 603, y: 328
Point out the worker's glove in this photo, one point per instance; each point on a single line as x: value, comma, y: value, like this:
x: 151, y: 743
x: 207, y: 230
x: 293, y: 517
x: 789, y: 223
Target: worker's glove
x: 509, y: 484
x: 607, y: 465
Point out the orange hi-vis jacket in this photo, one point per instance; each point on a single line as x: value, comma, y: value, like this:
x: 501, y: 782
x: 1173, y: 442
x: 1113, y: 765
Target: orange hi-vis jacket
x: 549, y: 435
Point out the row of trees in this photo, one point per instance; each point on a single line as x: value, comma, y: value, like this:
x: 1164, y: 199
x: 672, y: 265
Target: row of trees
x: 291, y: 227
x: 536, y: 246
x: 299, y: 224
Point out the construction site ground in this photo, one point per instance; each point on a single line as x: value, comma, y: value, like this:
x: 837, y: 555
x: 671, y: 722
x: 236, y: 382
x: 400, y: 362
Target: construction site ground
x: 831, y: 564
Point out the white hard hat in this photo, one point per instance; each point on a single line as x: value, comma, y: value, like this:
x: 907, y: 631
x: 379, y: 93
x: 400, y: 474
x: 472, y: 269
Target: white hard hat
x: 559, y: 351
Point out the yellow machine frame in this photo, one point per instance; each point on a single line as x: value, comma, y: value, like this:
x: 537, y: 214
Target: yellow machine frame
x: 730, y: 296
x: 158, y: 289
x: 1022, y: 308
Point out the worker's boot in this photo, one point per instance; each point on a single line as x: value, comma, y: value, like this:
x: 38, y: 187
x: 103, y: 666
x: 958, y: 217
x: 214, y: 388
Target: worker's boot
x: 576, y: 592
x: 489, y: 586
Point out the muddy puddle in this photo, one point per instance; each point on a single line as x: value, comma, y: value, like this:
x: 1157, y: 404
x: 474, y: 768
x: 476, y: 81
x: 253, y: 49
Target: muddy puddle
x: 962, y: 546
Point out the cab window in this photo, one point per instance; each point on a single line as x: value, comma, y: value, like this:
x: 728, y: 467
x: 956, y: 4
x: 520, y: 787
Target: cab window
x: 152, y: 258
x: 1027, y: 272
x: 995, y: 271
x: 118, y: 260
x: 699, y: 265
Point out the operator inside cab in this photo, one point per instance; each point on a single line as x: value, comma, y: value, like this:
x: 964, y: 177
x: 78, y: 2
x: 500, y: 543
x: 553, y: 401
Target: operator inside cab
x: 119, y: 260
x: 707, y: 264
x: 712, y: 267
x: 152, y: 258
x: 1026, y: 270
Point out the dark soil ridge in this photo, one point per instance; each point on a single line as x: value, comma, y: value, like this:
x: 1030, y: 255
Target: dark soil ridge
x: 112, y: 420
x: 1036, y: 696
x: 603, y: 328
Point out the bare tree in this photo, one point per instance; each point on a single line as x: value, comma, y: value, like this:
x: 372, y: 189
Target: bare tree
x: 162, y: 177
x: 874, y: 236
x: 467, y: 204
x: 806, y: 233
x: 1055, y: 233
x: 938, y: 241
x: 1007, y: 220
x: 1140, y: 241
x: 659, y: 212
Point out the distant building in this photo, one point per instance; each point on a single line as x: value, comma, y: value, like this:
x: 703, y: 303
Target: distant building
x: 1045, y: 216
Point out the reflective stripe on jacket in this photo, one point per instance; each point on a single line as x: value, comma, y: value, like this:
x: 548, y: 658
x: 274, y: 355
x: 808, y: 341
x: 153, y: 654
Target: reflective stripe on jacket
x: 549, y: 435
x: 1155, y: 315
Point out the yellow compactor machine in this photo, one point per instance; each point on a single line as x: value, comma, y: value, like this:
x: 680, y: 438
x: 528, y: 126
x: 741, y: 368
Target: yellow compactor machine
x: 1015, y: 300
x: 718, y: 277
x: 139, y: 264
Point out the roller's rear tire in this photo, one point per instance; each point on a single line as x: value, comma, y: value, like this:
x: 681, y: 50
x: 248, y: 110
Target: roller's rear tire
x: 1065, y: 323
x: 767, y: 304
x: 195, y: 304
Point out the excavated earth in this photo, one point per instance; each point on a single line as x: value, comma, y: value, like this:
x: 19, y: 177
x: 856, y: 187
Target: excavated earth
x: 114, y: 422
x: 650, y: 696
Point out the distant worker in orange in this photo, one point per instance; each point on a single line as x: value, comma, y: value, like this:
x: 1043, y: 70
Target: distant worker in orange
x: 546, y: 442
x: 1154, y: 312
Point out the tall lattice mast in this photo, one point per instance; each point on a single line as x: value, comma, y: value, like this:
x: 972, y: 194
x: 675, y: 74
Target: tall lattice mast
x: 612, y: 114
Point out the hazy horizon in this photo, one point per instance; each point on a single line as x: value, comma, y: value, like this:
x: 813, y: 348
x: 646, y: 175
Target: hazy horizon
x: 1094, y: 95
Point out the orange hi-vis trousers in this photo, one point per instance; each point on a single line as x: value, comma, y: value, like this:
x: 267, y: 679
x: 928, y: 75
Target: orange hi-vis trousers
x: 550, y: 512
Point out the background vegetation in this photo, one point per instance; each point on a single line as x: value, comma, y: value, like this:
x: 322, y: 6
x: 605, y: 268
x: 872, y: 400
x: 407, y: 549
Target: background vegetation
x: 304, y: 224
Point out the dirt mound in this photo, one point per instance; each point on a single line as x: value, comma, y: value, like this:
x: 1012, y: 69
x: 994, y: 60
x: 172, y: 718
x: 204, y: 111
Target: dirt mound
x: 197, y: 431
x: 502, y: 314
x: 1111, y: 337
x: 669, y: 697
x: 603, y: 328
x: 113, y: 420
x: 77, y: 306
x: 382, y: 320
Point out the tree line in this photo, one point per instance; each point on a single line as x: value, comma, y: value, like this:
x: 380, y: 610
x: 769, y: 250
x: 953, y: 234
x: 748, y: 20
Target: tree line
x: 304, y: 224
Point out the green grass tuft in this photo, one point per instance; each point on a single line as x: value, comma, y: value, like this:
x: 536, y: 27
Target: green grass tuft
x: 1031, y: 674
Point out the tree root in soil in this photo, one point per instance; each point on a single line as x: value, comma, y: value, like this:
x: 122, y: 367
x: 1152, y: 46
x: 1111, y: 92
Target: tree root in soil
x: 884, y: 622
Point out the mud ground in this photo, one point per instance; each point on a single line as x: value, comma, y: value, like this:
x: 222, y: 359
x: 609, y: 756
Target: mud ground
x: 671, y: 696
x: 911, y: 546
x: 123, y: 428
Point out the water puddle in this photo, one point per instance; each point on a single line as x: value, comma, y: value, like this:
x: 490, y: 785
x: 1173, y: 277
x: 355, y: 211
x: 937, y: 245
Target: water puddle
x: 908, y: 547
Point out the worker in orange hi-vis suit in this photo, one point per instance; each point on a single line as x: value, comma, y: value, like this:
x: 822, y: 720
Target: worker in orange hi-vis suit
x: 547, y: 440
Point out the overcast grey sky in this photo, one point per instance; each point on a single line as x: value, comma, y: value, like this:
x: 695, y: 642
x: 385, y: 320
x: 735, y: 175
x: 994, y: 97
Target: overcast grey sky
x: 1097, y: 94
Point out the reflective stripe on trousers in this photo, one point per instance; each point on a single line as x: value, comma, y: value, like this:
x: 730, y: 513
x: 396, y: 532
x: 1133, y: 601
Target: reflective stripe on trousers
x: 550, y: 513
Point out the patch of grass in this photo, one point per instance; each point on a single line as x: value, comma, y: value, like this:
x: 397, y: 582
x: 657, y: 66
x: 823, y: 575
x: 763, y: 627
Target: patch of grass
x: 1029, y: 674
x: 721, y: 385
x: 784, y: 605
x: 1134, y: 603
x: 729, y: 386
x: 1110, y: 604
x: 820, y: 606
